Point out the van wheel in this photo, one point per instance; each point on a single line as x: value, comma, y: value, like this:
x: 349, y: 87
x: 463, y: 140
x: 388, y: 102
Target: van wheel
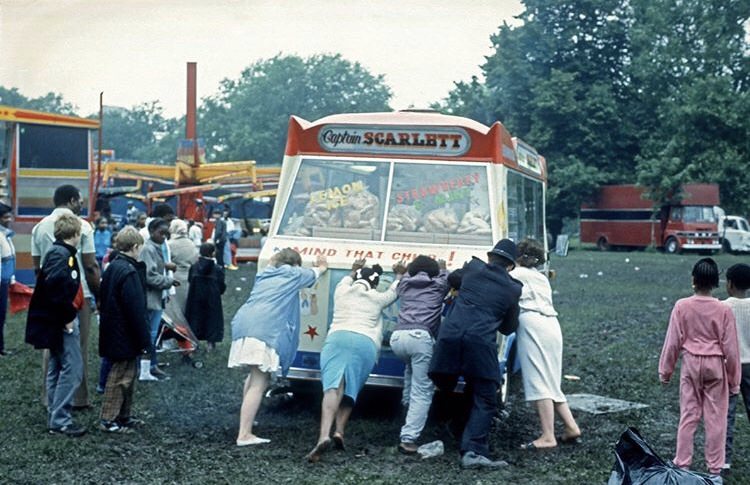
x: 726, y: 247
x: 672, y: 246
x: 602, y: 244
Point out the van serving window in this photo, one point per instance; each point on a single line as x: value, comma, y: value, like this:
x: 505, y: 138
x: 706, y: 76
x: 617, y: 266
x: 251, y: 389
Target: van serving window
x: 337, y: 199
x: 439, y: 204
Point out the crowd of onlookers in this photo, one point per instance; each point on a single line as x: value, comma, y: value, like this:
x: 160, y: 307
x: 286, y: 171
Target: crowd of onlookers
x: 158, y: 266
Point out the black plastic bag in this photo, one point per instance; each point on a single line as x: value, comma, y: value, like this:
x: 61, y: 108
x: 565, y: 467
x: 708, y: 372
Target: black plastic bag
x: 638, y: 464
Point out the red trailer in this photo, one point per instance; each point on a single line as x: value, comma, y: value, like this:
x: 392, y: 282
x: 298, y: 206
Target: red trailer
x: 622, y: 216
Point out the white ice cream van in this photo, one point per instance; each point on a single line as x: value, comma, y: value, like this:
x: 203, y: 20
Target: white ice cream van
x: 391, y: 186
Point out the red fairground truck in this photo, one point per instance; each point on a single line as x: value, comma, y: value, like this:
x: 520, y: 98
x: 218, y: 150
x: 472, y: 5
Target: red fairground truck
x: 621, y: 217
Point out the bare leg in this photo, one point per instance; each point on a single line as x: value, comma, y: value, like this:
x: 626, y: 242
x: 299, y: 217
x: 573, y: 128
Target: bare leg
x: 545, y: 410
x: 571, y: 427
x: 255, y: 385
x: 328, y: 410
x: 342, y: 417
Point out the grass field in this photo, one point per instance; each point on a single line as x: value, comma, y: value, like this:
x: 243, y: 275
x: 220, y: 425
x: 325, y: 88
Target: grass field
x: 613, y: 323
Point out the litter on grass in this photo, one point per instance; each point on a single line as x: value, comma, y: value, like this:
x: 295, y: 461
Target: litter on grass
x: 594, y: 404
x: 238, y: 289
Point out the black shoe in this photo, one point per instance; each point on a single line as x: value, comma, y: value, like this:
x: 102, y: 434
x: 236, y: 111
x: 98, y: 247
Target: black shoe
x: 112, y: 427
x: 129, y: 422
x: 71, y: 430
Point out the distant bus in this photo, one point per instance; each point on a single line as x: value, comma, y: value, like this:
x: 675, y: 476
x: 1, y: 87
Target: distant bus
x: 39, y: 152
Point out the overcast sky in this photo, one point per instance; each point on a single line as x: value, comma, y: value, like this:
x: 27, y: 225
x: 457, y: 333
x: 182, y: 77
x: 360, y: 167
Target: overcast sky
x: 136, y: 50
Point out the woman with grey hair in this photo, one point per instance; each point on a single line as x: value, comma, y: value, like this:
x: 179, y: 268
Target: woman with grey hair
x: 184, y: 254
x: 265, y: 330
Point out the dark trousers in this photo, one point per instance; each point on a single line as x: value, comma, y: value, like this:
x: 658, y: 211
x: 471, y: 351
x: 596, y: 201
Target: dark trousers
x: 483, y: 395
x: 104, y: 368
x: 474, y: 415
x: 4, y: 286
x: 745, y: 392
x: 220, y: 253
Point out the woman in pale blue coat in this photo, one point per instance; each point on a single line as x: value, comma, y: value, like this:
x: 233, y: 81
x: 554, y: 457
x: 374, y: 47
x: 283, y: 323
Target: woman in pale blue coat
x: 265, y: 331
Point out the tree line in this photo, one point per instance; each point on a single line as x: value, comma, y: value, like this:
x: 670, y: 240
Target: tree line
x: 653, y: 92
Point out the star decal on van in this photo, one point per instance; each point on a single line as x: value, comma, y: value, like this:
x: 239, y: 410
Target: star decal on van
x: 312, y: 332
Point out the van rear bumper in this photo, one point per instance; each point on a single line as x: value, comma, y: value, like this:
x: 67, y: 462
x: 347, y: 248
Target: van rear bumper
x: 375, y: 380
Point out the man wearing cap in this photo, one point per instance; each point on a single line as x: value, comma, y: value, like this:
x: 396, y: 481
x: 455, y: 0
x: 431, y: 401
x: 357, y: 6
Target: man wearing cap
x: 487, y: 302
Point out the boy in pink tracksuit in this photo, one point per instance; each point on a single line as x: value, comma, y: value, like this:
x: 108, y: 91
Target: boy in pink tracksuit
x: 703, y: 329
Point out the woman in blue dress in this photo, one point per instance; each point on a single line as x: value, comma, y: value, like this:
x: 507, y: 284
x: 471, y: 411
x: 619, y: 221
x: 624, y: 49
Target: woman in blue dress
x: 351, y: 348
x: 265, y: 331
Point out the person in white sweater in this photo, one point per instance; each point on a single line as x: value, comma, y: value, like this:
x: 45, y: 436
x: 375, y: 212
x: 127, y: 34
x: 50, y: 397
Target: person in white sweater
x: 351, y: 348
x: 540, y: 345
x: 738, y: 284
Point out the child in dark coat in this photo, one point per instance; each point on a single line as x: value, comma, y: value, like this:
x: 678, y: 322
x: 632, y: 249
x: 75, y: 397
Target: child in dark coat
x: 52, y: 324
x: 204, y: 310
x: 124, y: 333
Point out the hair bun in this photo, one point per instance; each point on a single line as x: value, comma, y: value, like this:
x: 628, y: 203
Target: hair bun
x: 377, y: 268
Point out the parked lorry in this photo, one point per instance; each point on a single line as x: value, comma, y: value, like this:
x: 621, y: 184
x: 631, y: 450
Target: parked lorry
x: 621, y: 216
x: 734, y: 232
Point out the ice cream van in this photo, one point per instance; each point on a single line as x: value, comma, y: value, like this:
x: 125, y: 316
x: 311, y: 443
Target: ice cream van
x: 391, y: 186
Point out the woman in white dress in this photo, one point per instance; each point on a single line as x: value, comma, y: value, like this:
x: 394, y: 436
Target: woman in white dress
x: 539, y: 342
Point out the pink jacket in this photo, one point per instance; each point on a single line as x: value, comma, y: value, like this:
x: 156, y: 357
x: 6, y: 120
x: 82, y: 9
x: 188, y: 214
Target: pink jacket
x: 702, y: 325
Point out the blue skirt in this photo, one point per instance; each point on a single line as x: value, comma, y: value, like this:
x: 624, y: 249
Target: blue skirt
x: 349, y: 356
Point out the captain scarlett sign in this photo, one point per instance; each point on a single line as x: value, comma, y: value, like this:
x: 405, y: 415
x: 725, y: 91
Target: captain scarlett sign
x: 439, y: 141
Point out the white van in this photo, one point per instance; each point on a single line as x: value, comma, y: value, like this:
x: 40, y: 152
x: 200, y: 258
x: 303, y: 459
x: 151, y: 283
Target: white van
x: 389, y: 187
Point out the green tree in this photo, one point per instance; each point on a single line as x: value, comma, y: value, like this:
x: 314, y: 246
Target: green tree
x: 691, y: 64
x: 141, y: 133
x: 557, y: 81
x: 50, y: 102
x: 248, y: 118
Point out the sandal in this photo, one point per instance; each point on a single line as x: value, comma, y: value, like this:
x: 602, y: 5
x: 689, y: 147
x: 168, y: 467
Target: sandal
x: 338, y: 441
x: 317, y: 452
x: 530, y: 446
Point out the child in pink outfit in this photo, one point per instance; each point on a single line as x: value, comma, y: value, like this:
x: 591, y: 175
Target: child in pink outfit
x: 703, y: 329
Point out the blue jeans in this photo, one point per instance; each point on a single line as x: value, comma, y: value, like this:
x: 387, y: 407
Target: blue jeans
x: 154, y: 319
x: 414, y: 347
x: 64, y: 374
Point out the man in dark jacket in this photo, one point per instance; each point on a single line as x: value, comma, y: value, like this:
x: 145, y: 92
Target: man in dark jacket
x: 124, y: 333
x: 52, y: 323
x: 467, y: 345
